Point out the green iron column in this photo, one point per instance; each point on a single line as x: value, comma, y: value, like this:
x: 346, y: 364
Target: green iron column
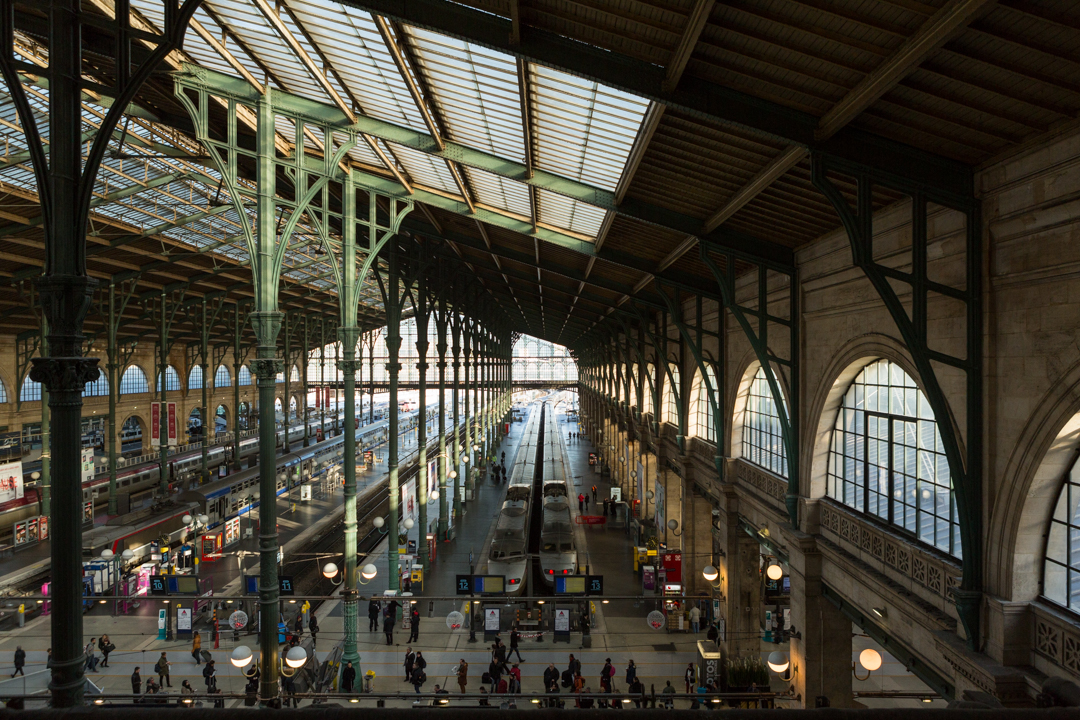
x: 211, y: 420
x: 111, y: 367
x: 322, y: 378
x: 305, y: 354
x: 163, y: 423
x: 440, y: 347
x: 371, y: 379
x: 349, y: 366
x: 393, y: 368
x: 467, y: 457
x: 455, y: 330
x: 46, y: 434
x: 287, y: 402
x: 421, y: 426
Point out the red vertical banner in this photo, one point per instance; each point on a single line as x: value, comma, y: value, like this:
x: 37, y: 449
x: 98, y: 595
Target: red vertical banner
x: 173, y: 437
x: 155, y: 423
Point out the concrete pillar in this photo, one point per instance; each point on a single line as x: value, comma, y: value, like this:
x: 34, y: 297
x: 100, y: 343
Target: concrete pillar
x: 697, y: 540
x: 741, y: 585
x: 821, y: 659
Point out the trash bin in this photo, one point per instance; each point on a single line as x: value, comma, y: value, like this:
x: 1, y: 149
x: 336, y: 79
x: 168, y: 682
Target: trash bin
x: 369, y: 681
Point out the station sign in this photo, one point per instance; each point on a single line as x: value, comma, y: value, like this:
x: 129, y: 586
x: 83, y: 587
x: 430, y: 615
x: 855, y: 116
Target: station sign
x: 579, y: 585
x: 174, y: 584
x: 480, y: 585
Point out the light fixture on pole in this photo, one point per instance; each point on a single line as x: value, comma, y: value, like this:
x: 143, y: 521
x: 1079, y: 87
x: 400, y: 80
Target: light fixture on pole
x: 408, y: 524
x: 869, y: 659
x: 368, y: 572
x: 774, y: 571
x: 673, y: 526
x: 241, y: 656
x: 330, y: 571
x: 294, y: 659
x: 379, y: 523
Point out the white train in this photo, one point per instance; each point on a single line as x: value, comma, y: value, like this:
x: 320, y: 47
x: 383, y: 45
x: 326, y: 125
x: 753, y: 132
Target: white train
x: 558, y: 554
x: 509, y: 552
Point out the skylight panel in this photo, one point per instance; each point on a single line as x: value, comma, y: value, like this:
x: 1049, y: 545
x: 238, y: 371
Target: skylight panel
x: 499, y: 192
x: 581, y: 129
x: 562, y: 212
x: 425, y: 169
x: 475, y: 90
x: 351, y: 42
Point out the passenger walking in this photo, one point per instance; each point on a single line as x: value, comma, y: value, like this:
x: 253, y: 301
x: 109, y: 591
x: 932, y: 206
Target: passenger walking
x: 136, y: 684
x: 196, y: 648
x: 161, y: 667
x: 515, y: 679
x: 414, y: 626
x: 462, y: 674
x: 91, y: 655
x: 551, y: 675
x: 373, y: 615
x: 419, y: 677
x: 594, y: 493
x: 586, y: 503
x: 605, y: 506
x: 410, y: 661
x: 209, y: 674
x: 631, y: 673
x: 388, y: 625
x: 606, y: 673
x: 298, y: 626
x: 20, y: 660
x: 105, y: 646
x: 689, y: 676
x: 581, y: 503
x: 515, y: 638
x: 313, y: 627
x: 695, y: 619
x: 713, y: 634
x: 348, y: 677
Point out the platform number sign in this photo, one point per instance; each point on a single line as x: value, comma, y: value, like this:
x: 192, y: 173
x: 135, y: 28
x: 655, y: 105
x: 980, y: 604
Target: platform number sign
x: 464, y: 584
x: 595, y: 585
x: 286, y: 585
x: 158, y: 585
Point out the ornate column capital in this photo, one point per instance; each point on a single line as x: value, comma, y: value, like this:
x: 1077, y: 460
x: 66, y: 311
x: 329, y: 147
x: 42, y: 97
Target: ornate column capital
x: 350, y: 367
x: 267, y: 368
x: 64, y: 374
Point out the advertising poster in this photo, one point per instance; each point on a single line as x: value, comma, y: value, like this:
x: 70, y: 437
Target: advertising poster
x: 305, y: 492
x: 88, y: 511
x: 232, y: 530
x: 672, y: 563
x: 408, y: 500
x: 155, y: 423
x: 639, y: 493
x: 20, y: 533
x: 173, y: 439
x: 43, y: 528
x: 658, y: 517
x: 562, y: 620
x: 491, y: 620
x: 183, y: 619
x: 87, y: 465
x: 32, y: 530
x: 11, y: 481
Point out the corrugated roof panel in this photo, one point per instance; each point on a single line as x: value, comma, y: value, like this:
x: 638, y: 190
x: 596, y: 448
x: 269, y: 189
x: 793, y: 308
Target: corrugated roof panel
x: 581, y: 129
x: 499, y: 192
x: 475, y: 90
x: 563, y: 212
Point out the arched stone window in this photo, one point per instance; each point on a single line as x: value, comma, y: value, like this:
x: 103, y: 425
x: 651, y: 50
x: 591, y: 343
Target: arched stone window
x: 97, y: 388
x: 195, y: 378
x: 31, y: 390
x: 294, y: 376
x: 172, y: 379
x: 222, y: 377
x: 3, y: 392
x: 670, y: 408
x: 647, y: 389
x: 244, y: 375
x: 886, y: 458
x: 701, y: 416
x: 133, y: 381
x: 762, y: 440
x: 1061, y: 569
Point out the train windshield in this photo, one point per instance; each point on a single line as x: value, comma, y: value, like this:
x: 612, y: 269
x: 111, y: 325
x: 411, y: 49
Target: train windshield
x: 550, y: 546
x: 501, y: 551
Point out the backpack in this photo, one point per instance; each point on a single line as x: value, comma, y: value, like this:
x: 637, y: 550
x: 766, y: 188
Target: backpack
x: 160, y: 667
x: 420, y: 677
x: 486, y: 678
x: 611, y: 671
x: 567, y: 678
x: 502, y: 687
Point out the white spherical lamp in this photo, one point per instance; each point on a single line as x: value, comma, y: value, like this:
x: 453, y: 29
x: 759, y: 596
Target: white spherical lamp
x: 127, y: 555
x: 774, y: 572
x: 378, y: 522
x: 408, y: 524
x: 452, y: 475
x: 330, y: 571
x: 107, y: 554
x: 434, y: 495
x: 778, y: 661
x: 870, y: 659
x: 240, y: 657
x: 296, y: 657
x: 710, y: 573
x: 673, y: 524
x: 186, y: 519
x: 369, y: 571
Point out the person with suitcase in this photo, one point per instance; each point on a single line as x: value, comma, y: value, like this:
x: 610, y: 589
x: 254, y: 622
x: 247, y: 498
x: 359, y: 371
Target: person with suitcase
x: 91, y: 656
x: 196, y: 648
x: 209, y: 674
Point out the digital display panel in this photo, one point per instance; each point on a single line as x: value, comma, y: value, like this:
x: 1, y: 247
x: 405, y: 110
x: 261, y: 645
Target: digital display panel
x: 570, y: 585
x: 489, y: 584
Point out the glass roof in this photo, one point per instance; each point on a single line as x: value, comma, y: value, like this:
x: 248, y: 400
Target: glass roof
x: 332, y: 53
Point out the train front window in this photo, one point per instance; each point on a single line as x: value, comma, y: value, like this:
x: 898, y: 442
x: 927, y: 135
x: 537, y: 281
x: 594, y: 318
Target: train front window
x: 567, y: 547
x: 549, y: 546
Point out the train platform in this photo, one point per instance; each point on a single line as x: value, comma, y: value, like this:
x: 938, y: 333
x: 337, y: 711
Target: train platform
x: 619, y: 632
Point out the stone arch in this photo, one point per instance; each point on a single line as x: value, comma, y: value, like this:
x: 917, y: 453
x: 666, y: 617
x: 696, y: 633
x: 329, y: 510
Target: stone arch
x: 145, y: 380
x: 144, y: 427
x: 221, y: 410
x: 7, y: 390
x: 825, y: 404
x: 1016, y: 545
x: 739, y: 392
